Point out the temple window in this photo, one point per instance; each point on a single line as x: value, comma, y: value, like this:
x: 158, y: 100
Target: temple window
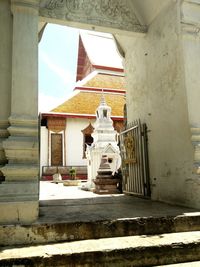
x: 105, y: 113
x: 87, y: 138
x: 44, y: 122
x: 110, y: 160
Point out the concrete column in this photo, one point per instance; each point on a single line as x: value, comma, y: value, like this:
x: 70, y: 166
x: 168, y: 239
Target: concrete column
x: 190, y: 22
x: 19, y: 192
x: 5, y: 74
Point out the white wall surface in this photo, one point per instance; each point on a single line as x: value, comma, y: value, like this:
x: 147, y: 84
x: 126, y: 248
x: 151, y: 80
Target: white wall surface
x: 43, y: 147
x: 156, y: 94
x: 191, y: 50
x: 74, y: 141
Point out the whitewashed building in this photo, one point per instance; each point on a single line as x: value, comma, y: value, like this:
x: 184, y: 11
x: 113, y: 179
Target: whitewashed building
x: 66, y: 130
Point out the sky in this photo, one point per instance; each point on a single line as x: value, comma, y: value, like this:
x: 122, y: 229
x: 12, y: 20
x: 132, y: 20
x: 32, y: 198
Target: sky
x: 57, y: 65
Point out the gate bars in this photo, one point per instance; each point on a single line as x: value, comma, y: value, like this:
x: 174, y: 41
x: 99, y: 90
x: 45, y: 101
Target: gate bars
x: 135, y: 163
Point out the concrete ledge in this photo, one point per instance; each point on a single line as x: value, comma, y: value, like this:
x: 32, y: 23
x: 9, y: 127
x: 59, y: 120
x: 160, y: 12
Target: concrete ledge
x: 72, y: 183
x: 122, y: 251
x: 41, y: 233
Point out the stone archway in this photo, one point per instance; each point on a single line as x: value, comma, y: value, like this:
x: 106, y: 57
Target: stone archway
x: 160, y: 79
x: 19, y: 201
x: 113, y: 16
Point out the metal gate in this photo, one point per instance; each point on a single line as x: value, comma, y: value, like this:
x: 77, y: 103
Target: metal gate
x: 135, y: 165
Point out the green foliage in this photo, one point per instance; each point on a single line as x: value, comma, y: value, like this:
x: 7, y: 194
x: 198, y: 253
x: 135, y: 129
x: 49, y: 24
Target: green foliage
x: 72, y: 173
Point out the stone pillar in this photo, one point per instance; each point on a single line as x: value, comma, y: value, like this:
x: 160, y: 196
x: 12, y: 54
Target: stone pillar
x: 5, y: 74
x: 190, y: 25
x: 19, y: 192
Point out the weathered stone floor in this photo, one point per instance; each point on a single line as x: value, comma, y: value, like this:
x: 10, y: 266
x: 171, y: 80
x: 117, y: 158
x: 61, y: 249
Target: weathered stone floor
x: 70, y: 204
x: 79, y: 228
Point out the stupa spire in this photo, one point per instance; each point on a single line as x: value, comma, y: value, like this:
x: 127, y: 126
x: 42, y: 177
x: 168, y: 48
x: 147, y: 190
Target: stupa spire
x: 103, y: 101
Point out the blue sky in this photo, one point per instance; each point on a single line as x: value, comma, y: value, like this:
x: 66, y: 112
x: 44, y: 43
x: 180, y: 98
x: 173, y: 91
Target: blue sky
x: 57, y: 65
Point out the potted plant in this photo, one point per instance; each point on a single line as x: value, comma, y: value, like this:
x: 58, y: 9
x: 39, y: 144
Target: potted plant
x: 72, y: 173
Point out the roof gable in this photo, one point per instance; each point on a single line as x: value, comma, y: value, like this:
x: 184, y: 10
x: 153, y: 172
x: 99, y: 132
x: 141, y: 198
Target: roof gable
x: 84, y: 66
x: 109, y: 149
x: 97, y: 51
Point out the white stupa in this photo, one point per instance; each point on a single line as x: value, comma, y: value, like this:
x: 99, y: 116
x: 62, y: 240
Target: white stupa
x: 105, y: 143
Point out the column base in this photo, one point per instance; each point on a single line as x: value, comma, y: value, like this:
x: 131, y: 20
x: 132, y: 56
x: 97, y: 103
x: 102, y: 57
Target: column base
x: 19, y: 193
x: 21, y: 149
x: 23, y: 172
x: 195, y: 138
x: 3, y: 136
x: 19, y: 212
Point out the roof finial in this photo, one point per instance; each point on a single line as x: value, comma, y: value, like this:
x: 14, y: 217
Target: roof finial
x: 103, y: 101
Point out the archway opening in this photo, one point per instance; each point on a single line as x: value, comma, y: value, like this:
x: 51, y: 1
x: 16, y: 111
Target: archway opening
x: 67, y: 122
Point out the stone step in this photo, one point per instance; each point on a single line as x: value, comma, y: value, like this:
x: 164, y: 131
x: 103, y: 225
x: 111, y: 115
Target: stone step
x: 119, y: 251
x: 186, y: 264
x: 41, y: 233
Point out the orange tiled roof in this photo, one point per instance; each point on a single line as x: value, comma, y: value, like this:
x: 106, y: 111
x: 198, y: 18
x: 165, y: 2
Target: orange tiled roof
x: 87, y: 103
x: 106, y: 81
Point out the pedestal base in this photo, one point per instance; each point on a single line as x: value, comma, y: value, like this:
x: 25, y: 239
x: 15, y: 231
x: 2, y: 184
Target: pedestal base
x: 106, y: 186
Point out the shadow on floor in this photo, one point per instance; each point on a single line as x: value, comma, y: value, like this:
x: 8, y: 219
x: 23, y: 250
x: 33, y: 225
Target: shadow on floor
x: 107, y: 208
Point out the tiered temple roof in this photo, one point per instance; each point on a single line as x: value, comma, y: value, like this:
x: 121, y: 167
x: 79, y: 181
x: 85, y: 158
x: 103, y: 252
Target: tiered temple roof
x: 86, y: 103
x: 95, y: 79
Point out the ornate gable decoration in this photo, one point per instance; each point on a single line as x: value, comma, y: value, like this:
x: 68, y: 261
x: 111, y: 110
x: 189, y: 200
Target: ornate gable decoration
x: 116, y: 14
x: 109, y: 149
x: 56, y: 124
x: 88, y: 130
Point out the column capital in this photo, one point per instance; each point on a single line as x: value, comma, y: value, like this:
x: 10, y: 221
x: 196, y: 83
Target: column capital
x: 25, y: 6
x: 190, y: 18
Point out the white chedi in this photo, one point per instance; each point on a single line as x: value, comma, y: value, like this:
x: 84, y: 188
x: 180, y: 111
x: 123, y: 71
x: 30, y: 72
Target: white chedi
x: 104, y: 132
x: 105, y: 143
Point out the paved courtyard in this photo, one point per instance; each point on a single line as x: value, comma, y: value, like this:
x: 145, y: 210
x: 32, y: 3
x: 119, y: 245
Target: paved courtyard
x: 50, y: 191
x: 71, y: 204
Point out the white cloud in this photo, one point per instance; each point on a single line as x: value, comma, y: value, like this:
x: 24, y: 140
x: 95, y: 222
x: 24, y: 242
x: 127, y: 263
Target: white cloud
x: 61, y: 72
x: 47, y: 102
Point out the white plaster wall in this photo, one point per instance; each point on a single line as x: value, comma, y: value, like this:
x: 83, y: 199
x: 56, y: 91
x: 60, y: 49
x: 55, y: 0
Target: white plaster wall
x: 146, y: 11
x: 156, y: 94
x: 191, y: 50
x: 43, y: 147
x: 191, y: 53
x: 74, y: 141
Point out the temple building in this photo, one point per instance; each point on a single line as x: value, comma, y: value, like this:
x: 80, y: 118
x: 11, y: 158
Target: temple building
x: 67, y: 130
